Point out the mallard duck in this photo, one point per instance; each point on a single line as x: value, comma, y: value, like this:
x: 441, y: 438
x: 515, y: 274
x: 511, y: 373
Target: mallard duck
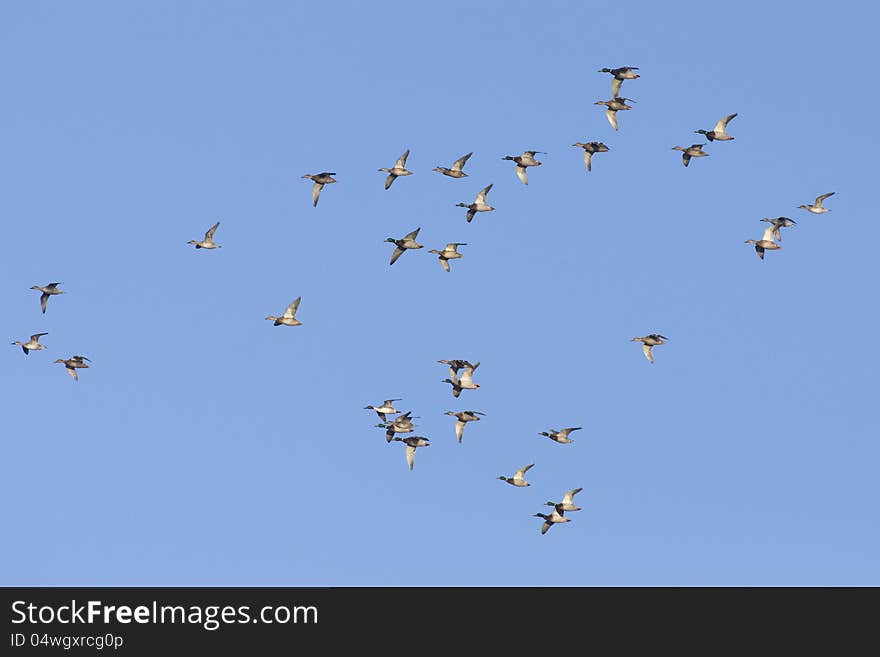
x: 412, y: 442
x: 766, y: 242
x: 518, y: 478
x: 694, y: 150
x: 74, y: 363
x: 817, y: 207
x: 208, y: 242
x: 386, y: 407
x: 560, y: 436
x: 479, y: 205
x: 408, y: 241
x: 449, y: 253
x: 649, y: 342
x: 33, y: 344
x: 456, y: 170
x: 320, y: 179
x: 719, y: 133
x: 613, y: 106
x: 567, y: 502
x: 590, y: 148
x: 47, y: 291
x: 779, y: 222
x: 463, y: 417
x: 551, y: 519
x: 527, y: 159
x: 399, y: 169
x: 464, y: 382
x: 619, y: 75
x: 289, y: 316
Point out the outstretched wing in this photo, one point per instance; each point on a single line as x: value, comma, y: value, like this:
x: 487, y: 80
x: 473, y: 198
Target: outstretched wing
x: 721, y: 126
x: 615, y: 87
x: 390, y: 179
x: 401, y: 161
x: 36, y: 336
x: 444, y: 263
x: 646, y: 348
x: 611, y: 115
x: 459, y: 163
x: 819, y: 199
x: 397, y: 253
x: 410, y: 456
x: 291, y: 309
x: 412, y: 235
x: 481, y: 197
x: 210, y: 234
x: 316, y: 193
x: 522, y: 175
x: 588, y: 160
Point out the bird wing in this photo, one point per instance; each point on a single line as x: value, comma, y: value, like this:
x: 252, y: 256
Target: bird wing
x: 459, y: 429
x: 210, y: 234
x: 569, y: 496
x: 290, y: 311
x: 519, y: 475
x: 768, y: 233
x: 444, y: 263
x: 721, y: 126
x: 410, y: 456
x: 611, y: 115
x: 760, y: 251
x: 481, y: 197
x: 72, y: 373
x: 545, y: 527
x: 316, y: 193
x: 36, y: 336
x: 459, y: 163
x: 646, y: 348
x: 52, y: 286
x: 686, y: 158
x: 389, y: 180
x: 819, y: 199
x: 470, y: 215
x: 615, y: 87
x: 397, y: 253
x: 43, y: 299
x: 522, y: 175
x: 412, y: 235
x: 401, y: 161
x: 588, y: 160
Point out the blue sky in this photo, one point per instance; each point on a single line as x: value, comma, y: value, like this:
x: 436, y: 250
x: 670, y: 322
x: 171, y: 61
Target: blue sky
x: 207, y: 447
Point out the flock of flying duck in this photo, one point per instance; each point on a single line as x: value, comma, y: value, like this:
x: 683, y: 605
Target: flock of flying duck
x: 461, y: 372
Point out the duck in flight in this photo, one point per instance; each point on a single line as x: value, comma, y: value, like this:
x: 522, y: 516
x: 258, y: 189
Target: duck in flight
x: 817, y: 207
x: 618, y: 75
x: 480, y: 204
x: 387, y: 406
x: 448, y: 253
x: 455, y: 171
x: 591, y: 148
x: 463, y: 382
x: 462, y: 418
x: 550, y: 519
x: 74, y: 363
x: 527, y: 159
x: 405, y: 243
x: 694, y: 150
x: 399, y: 169
x: 719, y: 132
x: 33, y: 344
x: 613, y: 106
x: 518, y: 478
x: 649, y: 342
x: 413, y: 442
x: 47, y: 291
x: 320, y: 179
x: 289, y: 316
x: 567, y: 502
x: 560, y: 436
x: 208, y: 242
